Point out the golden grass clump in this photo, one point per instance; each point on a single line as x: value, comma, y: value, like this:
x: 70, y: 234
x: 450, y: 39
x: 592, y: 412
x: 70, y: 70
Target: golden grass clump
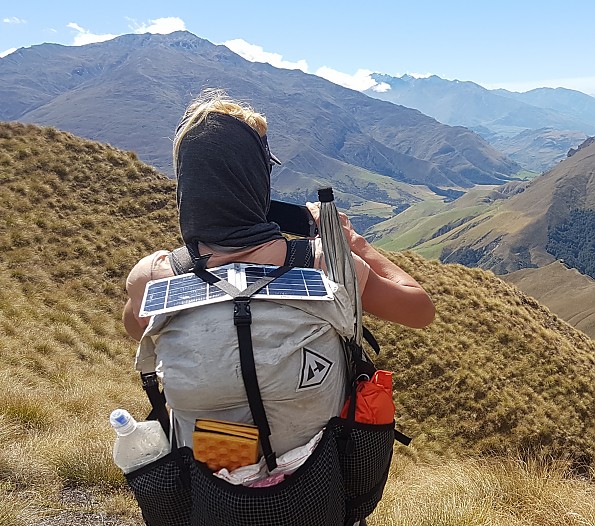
x: 484, y: 492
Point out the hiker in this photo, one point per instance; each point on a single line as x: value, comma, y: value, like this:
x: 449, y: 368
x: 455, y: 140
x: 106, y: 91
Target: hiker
x: 222, y: 165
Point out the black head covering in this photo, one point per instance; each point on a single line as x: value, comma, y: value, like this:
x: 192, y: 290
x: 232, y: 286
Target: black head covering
x: 223, y: 191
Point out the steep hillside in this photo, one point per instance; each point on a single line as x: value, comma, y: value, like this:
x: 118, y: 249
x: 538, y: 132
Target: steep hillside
x: 131, y: 92
x: 535, y: 227
x: 496, y: 372
x: 568, y: 293
x: 539, y: 149
x: 552, y: 217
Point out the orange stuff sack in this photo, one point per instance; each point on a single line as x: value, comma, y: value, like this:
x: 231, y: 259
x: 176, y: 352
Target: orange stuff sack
x: 374, y: 400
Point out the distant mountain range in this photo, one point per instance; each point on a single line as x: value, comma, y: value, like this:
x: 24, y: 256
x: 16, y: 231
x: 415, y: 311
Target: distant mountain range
x: 131, y: 91
x: 535, y: 128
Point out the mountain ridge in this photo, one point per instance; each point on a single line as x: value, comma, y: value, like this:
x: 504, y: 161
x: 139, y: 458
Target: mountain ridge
x: 131, y: 91
x: 502, y: 117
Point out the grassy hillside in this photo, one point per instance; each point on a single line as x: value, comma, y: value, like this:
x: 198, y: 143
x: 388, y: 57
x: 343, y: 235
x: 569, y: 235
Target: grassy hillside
x: 496, y: 373
x: 563, y: 290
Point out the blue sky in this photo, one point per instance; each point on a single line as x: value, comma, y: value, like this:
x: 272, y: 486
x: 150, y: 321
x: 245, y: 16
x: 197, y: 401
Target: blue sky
x: 515, y: 44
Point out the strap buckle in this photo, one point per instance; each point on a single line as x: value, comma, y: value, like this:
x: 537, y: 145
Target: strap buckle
x: 149, y: 380
x: 241, y: 311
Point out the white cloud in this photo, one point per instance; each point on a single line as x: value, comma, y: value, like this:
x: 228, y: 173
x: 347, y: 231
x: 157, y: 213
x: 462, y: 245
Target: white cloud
x: 7, y: 52
x: 255, y: 53
x: 381, y: 88
x: 161, y: 26
x: 86, y: 37
x: 361, y: 80
x: 13, y: 20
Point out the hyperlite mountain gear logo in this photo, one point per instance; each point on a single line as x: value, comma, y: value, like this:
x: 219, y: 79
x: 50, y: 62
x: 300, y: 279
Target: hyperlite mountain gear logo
x: 315, y: 369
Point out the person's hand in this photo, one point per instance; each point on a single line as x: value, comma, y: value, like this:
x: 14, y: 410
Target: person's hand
x: 353, y: 238
x: 315, y: 211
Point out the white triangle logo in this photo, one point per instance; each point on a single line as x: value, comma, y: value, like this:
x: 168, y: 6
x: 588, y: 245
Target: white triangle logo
x: 315, y: 369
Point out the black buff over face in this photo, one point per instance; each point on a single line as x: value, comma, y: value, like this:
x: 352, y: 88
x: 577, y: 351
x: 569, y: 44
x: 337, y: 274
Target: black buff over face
x: 223, y: 186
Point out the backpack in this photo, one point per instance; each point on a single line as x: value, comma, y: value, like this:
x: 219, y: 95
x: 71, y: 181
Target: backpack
x: 339, y: 484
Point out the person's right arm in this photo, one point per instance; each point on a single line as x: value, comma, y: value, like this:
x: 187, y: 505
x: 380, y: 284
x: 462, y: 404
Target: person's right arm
x: 390, y: 293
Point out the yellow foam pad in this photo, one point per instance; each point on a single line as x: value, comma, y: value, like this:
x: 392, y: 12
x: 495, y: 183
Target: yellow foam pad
x: 222, y: 444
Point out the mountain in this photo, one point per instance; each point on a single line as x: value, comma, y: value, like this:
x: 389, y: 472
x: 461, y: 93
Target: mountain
x: 565, y: 101
x: 495, y: 373
x: 539, y: 149
x: 502, y: 117
x: 131, y: 91
x: 520, y: 225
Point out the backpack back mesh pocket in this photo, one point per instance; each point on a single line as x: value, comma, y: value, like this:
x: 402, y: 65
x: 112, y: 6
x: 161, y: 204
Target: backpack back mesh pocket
x: 313, y: 495
x: 365, y: 463
x: 162, y: 490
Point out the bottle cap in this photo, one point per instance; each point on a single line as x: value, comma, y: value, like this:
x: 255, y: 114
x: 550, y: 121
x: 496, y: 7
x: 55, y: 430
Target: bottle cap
x: 122, y: 421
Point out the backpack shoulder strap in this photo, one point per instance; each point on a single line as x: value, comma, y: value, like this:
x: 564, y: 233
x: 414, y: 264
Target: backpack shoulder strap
x: 299, y: 254
x: 181, y: 261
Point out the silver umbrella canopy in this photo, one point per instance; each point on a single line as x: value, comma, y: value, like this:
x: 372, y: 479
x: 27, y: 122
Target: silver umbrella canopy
x: 337, y: 254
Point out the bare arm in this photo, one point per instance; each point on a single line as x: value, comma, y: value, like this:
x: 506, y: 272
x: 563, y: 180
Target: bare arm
x: 131, y: 323
x: 390, y: 293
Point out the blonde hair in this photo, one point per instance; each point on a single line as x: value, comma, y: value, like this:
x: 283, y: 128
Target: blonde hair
x: 215, y: 101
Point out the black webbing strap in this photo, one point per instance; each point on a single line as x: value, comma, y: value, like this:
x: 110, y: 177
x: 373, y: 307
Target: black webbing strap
x: 299, y: 253
x: 157, y: 400
x: 403, y: 439
x: 242, y: 318
x: 369, y: 337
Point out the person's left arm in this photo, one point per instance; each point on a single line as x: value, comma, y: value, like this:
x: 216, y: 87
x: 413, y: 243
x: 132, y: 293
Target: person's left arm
x: 133, y: 325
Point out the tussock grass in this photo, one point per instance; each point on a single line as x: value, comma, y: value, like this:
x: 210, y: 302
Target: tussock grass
x: 495, y: 374
x: 11, y: 511
x: 485, y: 492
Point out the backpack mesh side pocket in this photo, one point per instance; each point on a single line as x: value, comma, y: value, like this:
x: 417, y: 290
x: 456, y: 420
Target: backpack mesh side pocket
x: 312, y: 496
x: 365, y: 464
x: 162, y: 490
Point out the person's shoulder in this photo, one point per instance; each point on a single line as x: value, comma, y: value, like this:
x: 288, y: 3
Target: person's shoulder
x: 269, y: 253
x: 153, y: 266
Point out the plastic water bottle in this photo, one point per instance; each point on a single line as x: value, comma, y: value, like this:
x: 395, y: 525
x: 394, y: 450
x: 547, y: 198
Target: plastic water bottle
x: 137, y: 443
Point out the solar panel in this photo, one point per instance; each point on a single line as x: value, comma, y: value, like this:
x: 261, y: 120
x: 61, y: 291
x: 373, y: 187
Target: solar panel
x: 187, y: 290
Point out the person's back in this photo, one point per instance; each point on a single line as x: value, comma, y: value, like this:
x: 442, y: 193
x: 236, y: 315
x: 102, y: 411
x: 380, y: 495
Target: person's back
x: 223, y: 167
